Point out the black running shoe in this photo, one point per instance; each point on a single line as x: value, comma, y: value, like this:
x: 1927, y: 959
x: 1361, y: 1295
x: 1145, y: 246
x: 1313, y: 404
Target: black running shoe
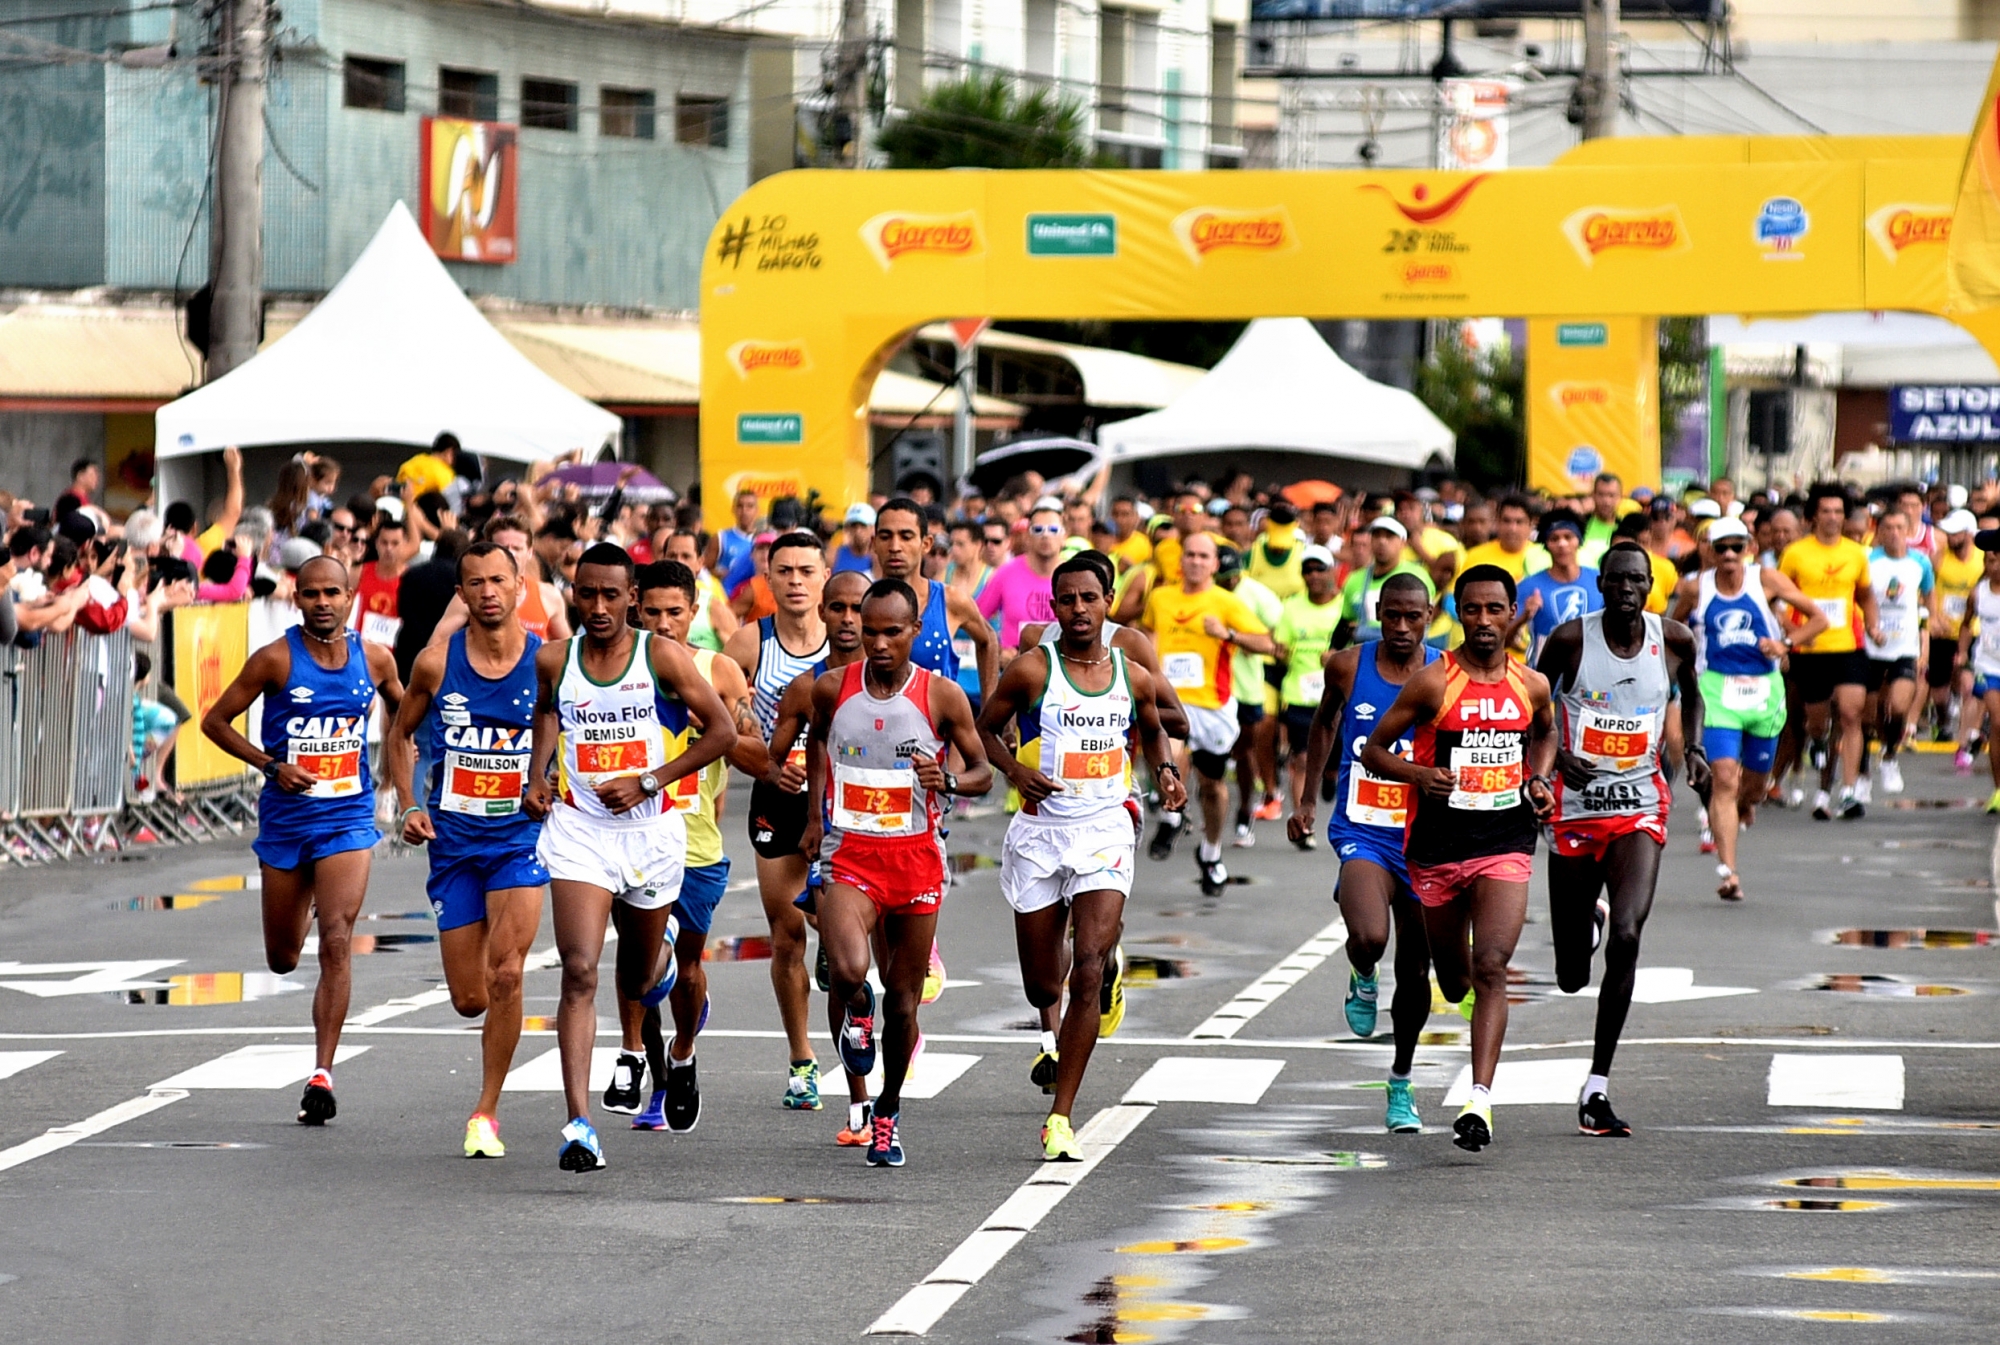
x: 628, y: 1079
x: 1595, y: 1117
x: 1852, y: 809
x: 683, y: 1098
x: 1214, y: 877
x: 1473, y: 1130
x: 316, y: 1106
x: 1162, y: 846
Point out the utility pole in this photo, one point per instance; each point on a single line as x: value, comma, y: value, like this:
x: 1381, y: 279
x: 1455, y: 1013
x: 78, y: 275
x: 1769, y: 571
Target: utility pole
x: 1598, y: 91
x: 236, y: 219
x: 851, y: 82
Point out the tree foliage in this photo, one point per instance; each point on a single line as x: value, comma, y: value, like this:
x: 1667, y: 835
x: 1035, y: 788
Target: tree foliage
x: 985, y: 122
x: 1479, y: 395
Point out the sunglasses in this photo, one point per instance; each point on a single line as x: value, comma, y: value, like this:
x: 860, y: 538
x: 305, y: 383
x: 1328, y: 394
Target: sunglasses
x: 1046, y: 529
x: 1734, y: 546
x: 993, y: 541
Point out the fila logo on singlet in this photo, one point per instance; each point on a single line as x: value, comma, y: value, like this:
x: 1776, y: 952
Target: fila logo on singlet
x: 1485, y: 707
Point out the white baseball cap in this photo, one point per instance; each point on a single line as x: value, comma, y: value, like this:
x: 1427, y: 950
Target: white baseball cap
x: 1316, y: 553
x: 862, y: 514
x: 1957, y: 521
x: 1704, y: 508
x: 1724, y: 528
x: 391, y: 506
x: 1957, y: 495
x: 1387, y: 524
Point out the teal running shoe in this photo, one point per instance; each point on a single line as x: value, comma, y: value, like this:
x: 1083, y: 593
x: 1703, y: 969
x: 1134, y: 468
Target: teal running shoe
x: 1361, y: 996
x: 802, y: 1088
x: 1400, y: 1118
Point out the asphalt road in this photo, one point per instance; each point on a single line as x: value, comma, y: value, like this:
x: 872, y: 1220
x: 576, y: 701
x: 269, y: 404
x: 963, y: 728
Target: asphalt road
x: 197, y: 1211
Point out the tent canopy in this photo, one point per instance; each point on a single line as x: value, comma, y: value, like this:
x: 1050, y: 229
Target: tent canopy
x: 1281, y: 388
x: 396, y: 354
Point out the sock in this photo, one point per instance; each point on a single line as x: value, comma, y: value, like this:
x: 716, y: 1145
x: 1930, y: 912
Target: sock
x: 796, y: 1064
x: 1481, y: 1096
x: 678, y: 1064
x: 1399, y: 1076
x: 636, y: 1052
x: 329, y: 1077
x: 1596, y: 1083
x: 1210, y: 851
x: 1171, y: 819
x: 857, y: 1115
x: 1049, y: 1042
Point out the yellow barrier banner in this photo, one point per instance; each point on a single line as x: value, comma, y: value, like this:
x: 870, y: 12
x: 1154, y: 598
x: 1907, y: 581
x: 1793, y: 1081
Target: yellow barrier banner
x: 1593, y: 402
x: 1973, y: 267
x: 211, y: 645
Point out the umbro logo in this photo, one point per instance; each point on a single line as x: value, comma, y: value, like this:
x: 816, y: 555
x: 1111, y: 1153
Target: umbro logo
x: 301, y: 695
x: 454, y: 699
x: 1364, y: 711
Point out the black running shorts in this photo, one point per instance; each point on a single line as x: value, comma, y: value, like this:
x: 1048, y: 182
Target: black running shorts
x: 777, y: 821
x: 1816, y: 675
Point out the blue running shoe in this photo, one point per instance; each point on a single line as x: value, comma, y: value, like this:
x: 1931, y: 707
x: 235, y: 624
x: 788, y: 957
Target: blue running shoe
x: 857, y: 1037
x: 1361, y: 996
x: 1400, y: 1118
x: 654, y: 1117
x: 802, y: 1088
x: 702, y: 1021
x: 581, y: 1152
x: 885, y: 1145
x: 657, y: 996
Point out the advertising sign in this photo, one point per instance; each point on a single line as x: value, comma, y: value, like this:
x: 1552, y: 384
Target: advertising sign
x: 468, y: 170
x: 1472, y: 132
x: 211, y: 645
x: 1593, y: 405
x: 1944, y: 413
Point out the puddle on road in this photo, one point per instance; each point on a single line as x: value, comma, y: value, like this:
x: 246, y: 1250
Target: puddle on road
x: 536, y: 1022
x: 177, y: 901
x: 962, y: 864
x: 229, y: 882
x: 738, y: 948
x: 1912, y: 938
x: 199, y: 989
x: 1924, y: 1276
x: 1826, y: 1206
x: 1913, y: 805
x: 1892, y: 1179
x: 1885, y: 987
x: 792, y: 1200
x: 1859, y: 1315
x: 398, y: 915
x: 362, y: 945
x: 1930, y: 843
x: 1142, y: 968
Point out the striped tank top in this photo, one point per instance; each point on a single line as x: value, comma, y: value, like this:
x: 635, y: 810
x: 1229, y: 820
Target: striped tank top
x: 777, y: 668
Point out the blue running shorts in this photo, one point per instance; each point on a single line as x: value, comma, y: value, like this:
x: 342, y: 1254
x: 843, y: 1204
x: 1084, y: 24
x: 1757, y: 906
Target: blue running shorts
x: 459, y: 882
x: 701, y: 892
x: 1379, y: 846
x: 295, y: 852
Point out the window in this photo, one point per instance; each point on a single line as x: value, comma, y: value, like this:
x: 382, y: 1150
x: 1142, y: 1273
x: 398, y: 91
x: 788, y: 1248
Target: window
x: 471, y: 94
x: 372, y: 84
x: 625, y: 113
x: 548, y: 104
x: 702, y: 121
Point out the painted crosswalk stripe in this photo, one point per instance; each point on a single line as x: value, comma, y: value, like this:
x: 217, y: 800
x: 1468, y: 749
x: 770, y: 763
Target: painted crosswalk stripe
x: 61, y: 1137
x: 543, y: 1074
x: 930, y: 1073
x: 1670, y: 985
x: 266, y: 1066
x: 1204, y: 1079
x: 1228, y: 1020
x: 1525, y: 1083
x: 1859, y: 1082
x: 13, y: 1062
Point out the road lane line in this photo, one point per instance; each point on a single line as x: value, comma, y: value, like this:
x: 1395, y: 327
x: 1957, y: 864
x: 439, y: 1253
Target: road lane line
x: 13, y: 1062
x: 396, y: 1008
x: 1228, y: 1020
x: 1204, y: 1079
x: 1861, y: 1082
x: 61, y: 1137
x: 1526, y: 1083
x: 917, y: 1311
x: 269, y: 1065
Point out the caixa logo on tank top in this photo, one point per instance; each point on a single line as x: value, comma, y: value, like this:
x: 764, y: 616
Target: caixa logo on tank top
x: 488, y: 739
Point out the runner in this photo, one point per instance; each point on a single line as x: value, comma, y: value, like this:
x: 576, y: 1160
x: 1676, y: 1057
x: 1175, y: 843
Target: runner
x: 1304, y: 636
x: 1831, y: 673
x: 1978, y: 646
x: 1906, y: 604
x: 771, y: 652
x: 1256, y: 753
x: 1196, y: 625
x: 1370, y: 817
x: 485, y: 882
x: 1738, y: 642
x: 879, y: 732
x: 613, y: 844
x: 1563, y: 592
x: 1387, y: 541
x: 1958, y: 568
x: 1611, y: 673
x: 316, y: 817
x: 541, y: 612
x: 1066, y: 867
x: 1471, y: 838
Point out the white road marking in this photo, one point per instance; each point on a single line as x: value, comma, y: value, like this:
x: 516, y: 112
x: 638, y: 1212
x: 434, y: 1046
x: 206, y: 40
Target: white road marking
x: 1228, y: 1020
x: 274, y: 1065
x: 917, y: 1311
x: 543, y: 1074
x: 396, y: 1008
x: 97, y: 977
x: 1670, y: 985
x: 930, y: 1073
x: 61, y: 1137
x: 1849, y: 1082
x: 1203, y: 1079
x: 1525, y: 1083
x: 13, y: 1062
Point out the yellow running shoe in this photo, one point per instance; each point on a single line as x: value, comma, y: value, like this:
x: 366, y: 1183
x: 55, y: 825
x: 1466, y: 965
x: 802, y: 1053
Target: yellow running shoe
x: 1993, y: 804
x: 1465, y: 1005
x: 1111, y: 995
x: 1059, y: 1141
x: 934, y: 977
x: 482, y: 1137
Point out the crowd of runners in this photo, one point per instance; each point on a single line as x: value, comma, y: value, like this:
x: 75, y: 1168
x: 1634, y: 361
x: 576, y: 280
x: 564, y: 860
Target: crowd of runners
x: 1452, y: 680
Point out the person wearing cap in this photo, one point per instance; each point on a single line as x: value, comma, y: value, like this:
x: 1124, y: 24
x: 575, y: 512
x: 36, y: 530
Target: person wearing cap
x: 1431, y: 547
x: 1386, y: 545
x: 1657, y: 535
x: 1512, y: 547
x: 1958, y: 567
x: 857, y: 547
x: 1563, y: 592
x: 1273, y: 557
x: 1306, y: 625
x: 1256, y: 704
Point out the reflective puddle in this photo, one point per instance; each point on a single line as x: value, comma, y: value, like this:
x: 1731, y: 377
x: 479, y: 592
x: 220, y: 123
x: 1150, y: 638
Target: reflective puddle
x: 791, y: 1200
x: 167, y: 1144
x: 362, y: 945
x: 1893, y: 1179
x: 738, y: 948
x: 1870, y: 1274
x: 1913, y: 938
x: 1144, y: 967
x: 212, y: 987
x: 970, y: 863
x: 1915, y: 805
x: 1826, y: 1206
x: 229, y: 882
x: 177, y: 901
x: 398, y: 915
x: 1887, y: 987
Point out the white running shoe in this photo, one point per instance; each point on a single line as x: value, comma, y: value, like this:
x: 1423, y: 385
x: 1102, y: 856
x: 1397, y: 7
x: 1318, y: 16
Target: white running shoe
x: 1891, y: 772
x: 1245, y: 838
x: 1864, y: 790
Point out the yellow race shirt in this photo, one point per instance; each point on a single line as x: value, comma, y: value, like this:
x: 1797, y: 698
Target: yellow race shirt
x: 1955, y: 581
x: 694, y: 797
x: 1197, y: 664
x: 1134, y: 550
x: 1665, y: 577
x: 1532, y: 559
x: 1167, y: 558
x: 1828, y: 575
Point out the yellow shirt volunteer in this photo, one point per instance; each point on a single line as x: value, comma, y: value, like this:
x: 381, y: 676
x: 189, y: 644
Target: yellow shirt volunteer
x: 1197, y: 664
x: 1439, y: 543
x: 694, y: 797
x: 1955, y: 581
x: 427, y: 472
x: 1828, y: 575
x: 1134, y: 550
x: 1531, y: 559
x: 1167, y: 558
x: 1665, y: 577
x: 1281, y: 576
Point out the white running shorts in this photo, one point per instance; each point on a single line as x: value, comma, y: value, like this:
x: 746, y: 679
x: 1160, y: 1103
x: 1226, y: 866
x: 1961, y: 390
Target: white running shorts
x: 1212, y: 730
x: 1046, y: 860
x: 639, y: 863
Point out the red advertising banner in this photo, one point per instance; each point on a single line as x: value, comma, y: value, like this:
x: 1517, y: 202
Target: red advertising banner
x: 469, y: 170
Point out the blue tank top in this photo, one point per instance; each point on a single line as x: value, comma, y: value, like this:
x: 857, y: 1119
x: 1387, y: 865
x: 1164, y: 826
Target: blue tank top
x: 481, y: 737
x: 1356, y: 806
x: 933, y: 649
x: 319, y: 723
x: 1727, y: 628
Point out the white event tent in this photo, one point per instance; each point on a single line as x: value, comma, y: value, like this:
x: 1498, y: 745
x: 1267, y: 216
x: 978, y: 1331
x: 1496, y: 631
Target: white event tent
x: 394, y: 354
x: 1281, y: 389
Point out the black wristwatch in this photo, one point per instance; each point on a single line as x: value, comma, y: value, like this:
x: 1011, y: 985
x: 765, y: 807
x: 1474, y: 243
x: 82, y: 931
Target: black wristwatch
x: 270, y: 769
x: 950, y: 783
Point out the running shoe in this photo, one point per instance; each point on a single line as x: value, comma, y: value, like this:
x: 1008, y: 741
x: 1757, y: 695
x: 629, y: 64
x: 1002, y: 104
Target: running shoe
x: 1162, y: 846
x: 482, y: 1137
x: 316, y: 1105
x: 822, y: 970
x: 1864, y: 789
x: 1961, y: 762
x: 654, y: 1117
x: 934, y: 976
x: 1822, y: 807
x: 683, y: 1095
x: 1400, y: 1116
x: 1307, y: 842
x: 1600, y: 916
x: 657, y: 996
x: 1595, y: 1117
x: 580, y: 1152
x: 1042, y: 1073
x: 1851, y: 809
x: 628, y: 1079
x: 856, y: 1137
x: 1707, y: 841
x: 1473, y: 1130
x: 1362, y: 995
x: 1059, y: 1141
x: 1214, y: 877
x: 802, y: 1088
x: 1270, y: 810
x: 1245, y: 838
x: 885, y: 1142
x: 1798, y: 797
x: 1111, y: 994
x: 1465, y: 1005
x: 1992, y: 806
x: 1891, y: 771
x: 1816, y: 754
x: 857, y: 1036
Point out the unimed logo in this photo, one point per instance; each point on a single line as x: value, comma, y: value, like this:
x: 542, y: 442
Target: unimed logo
x: 781, y: 427
x: 1055, y: 235
x: 898, y: 234
x: 1594, y: 230
x: 1207, y: 229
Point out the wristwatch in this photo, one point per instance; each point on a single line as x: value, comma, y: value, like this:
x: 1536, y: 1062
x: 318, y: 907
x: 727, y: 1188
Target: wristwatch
x: 950, y: 783
x: 650, y: 784
x: 270, y: 769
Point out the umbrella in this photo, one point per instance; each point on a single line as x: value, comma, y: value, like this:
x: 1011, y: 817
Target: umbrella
x: 1052, y: 456
x: 596, y: 481
x: 1306, y: 494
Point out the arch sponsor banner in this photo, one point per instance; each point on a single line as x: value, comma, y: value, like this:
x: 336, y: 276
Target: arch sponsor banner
x: 1593, y: 402
x: 211, y: 645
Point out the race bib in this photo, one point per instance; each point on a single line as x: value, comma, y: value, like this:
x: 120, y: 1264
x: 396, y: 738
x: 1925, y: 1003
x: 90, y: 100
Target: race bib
x: 1836, y: 612
x: 1954, y: 607
x: 1486, y: 779
x: 1745, y: 694
x: 877, y: 802
x: 684, y: 795
x: 1312, y: 685
x: 610, y: 759
x: 1618, y: 741
x: 333, y: 763
x: 1375, y: 802
x: 1989, y: 648
x: 484, y: 784
x: 1092, y: 775
x: 379, y: 629
x: 1183, y: 670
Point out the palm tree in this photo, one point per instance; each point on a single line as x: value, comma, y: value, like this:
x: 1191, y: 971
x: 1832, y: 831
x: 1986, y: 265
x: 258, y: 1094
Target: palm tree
x: 984, y: 122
